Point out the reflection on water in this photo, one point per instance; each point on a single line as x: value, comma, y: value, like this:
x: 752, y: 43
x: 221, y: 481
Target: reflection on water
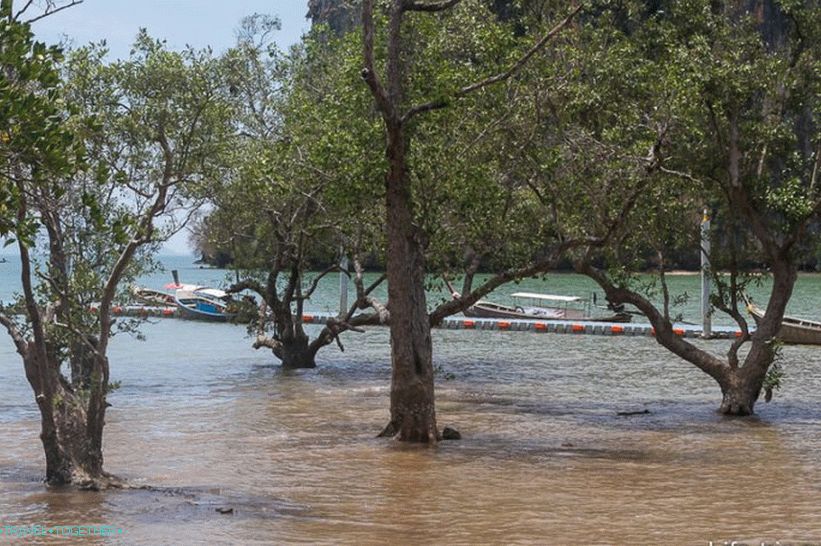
x: 207, y: 424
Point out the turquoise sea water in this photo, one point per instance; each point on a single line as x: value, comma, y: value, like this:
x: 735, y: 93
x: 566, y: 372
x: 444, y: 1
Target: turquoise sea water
x: 806, y: 300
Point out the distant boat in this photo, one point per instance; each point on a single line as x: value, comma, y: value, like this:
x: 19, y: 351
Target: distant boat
x: 202, y: 303
x: 793, y: 330
x: 532, y: 307
x: 154, y: 298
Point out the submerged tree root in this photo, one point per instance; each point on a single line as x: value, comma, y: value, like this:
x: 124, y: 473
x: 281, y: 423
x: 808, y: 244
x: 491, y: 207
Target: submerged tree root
x: 82, y: 481
x: 389, y: 431
x: 415, y: 435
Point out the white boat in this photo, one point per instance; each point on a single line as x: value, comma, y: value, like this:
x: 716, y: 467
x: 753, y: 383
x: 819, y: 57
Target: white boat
x: 793, y: 330
x: 153, y: 298
x: 531, y: 305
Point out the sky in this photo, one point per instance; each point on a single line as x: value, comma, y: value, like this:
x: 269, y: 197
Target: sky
x: 198, y: 23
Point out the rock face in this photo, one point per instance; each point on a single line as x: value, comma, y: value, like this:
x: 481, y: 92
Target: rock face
x: 340, y: 15
x: 343, y: 15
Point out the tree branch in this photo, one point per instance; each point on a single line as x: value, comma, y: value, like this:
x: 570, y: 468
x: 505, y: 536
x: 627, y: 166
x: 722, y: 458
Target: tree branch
x: 502, y: 76
x: 28, y: 290
x: 461, y: 302
x: 369, y: 73
x: 273, y: 344
x: 315, y: 282
x: 665, y: 290
x: 16, y: 335
x: 84, y: 338
x: 53, y: 11
x: 247, y: 284
x: 22, y: 10
x: 663, y: 327
x: 351, y: 321
x: 141, y: 237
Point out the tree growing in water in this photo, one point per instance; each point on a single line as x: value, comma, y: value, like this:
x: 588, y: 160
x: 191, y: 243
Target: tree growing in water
x: 413, y: 415
x: 295, y: 184
x: 304, y: 183
x: 673, y: 108
x: 92, y: 164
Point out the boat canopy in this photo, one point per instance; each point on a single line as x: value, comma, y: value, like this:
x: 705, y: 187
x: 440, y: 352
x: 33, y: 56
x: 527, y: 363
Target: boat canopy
x: 213, y: 292
x: 187, y: 287
x: 548, y: 297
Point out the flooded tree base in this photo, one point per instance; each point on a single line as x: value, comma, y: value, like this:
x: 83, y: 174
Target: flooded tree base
x: 736, y: 407
x: 411, y: 432
x: 738, y: 401
x: 99, y: 483
x: 299, y: 361
x: 294, y: 354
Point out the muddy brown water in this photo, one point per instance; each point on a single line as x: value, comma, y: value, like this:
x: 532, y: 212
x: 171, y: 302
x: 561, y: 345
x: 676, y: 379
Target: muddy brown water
x: 209, y: 424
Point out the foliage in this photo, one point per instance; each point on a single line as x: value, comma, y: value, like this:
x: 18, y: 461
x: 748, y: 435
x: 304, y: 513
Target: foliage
x: 94, y: 157
x: 303, y: 156
x: 658, y: 112
x: 33, y: 139
x: 624, y: 132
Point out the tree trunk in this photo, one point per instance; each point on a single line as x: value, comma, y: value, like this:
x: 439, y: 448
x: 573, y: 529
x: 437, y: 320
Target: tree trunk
x: 741, y: 387
x: 413, y: 413
x: 72, y: 447
x: 81, y: 361
x: 739, y: 395
x: 296, y: 353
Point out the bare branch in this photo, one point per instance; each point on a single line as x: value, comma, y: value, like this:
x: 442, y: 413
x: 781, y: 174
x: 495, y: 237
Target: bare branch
x: 264, y: 341
x: 16, y: 335
x: 28, y: 290
x: 352, y: 321
x: 672, y: 172
x: 50, y: 11
x: 22, y: 10
x: 247, y: 284
x: 84, y: 338
x: 307, y: 294
x: 732, y: 354
x: 461, y: 302
x: 665, y: 290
